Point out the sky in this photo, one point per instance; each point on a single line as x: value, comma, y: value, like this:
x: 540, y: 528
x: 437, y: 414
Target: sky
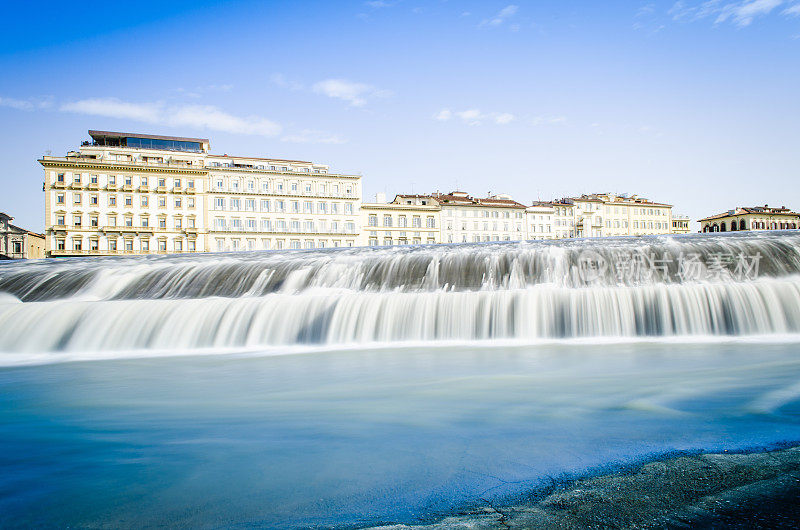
x: 692, y: 103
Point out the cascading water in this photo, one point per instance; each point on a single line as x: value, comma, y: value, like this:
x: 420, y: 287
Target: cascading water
x: 668, y: 286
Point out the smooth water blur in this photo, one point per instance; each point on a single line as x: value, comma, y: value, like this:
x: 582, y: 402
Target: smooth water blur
x: 357, y: 437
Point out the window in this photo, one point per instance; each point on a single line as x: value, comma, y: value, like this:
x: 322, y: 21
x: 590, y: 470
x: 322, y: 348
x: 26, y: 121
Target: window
x: 387, y: 220
x: 128, y: 180
x: 76, y: 198
x: 60, y: 178
x: 190, y: 184
x: 60, y: 244
x: 162, y: 222
x: 112, y: 245
x: 112, y: 200
x: 178, y: 223
x: 416, y: 222
x: 162, y: 202
x: 112, y: 180
x: 348, y: 208
x: 93, y: 244
x: 177, y: 183
x: 76, y: 220
x: 93, y: 200
x: 264, y: 205
x: 190, y: 202
x: 308, y: 207
x: 143, y: 181
x: 190, y: 222
x: 162, y: 183
x: 129, y: 245
x: 430, y: 222
x: 144, y: 201
x: 178, y: 245
x: 250, y: 205
x: 128, y: 200
x: 236, y: 204
x: 60, y: 198
x: 219, y: 203
x: 93, y: 179
x: 145, y: 221
x: 162, y: 245
x: 373, y: 220
x: 145, y: 245
x: 192, y: 246
x: 128, y: 220
x: 178, y: 202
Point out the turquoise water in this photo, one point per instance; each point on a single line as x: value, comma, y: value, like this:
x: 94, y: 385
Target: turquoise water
x: 366, y: 436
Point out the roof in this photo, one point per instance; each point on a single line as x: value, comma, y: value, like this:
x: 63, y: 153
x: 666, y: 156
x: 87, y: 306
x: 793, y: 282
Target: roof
x: 459, y: 199
x: 109, y: 134
x: 267, y: 159
x: 750, y: 210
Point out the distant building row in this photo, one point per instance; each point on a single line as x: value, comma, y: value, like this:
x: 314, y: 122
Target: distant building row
x: 125, y: 193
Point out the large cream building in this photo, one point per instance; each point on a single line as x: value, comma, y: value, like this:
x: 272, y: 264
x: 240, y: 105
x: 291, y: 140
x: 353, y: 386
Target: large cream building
x: 125, y: 193
x: 474, y: 219
x: 407, y: 220
x: 608, y: 214
x: 752, y: 218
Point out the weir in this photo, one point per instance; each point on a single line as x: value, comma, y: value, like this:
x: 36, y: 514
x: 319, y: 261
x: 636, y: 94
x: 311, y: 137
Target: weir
x: 667, y: 286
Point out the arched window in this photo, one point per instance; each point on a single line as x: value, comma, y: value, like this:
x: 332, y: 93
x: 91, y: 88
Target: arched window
x: 742, y: 226
x: 722, y: 226
x: 733, y: 226
x: 705, y: 228
x: 715, y: 227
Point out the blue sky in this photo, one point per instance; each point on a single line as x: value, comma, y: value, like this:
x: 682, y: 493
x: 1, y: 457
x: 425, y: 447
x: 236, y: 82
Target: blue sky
x: 695, y: 103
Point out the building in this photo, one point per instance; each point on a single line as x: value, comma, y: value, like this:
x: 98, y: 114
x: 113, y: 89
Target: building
x: 126, y: 193
x: 266, y: 204
x: 407, y: 220
x: 539, y: 220
x: 472, y: 219
x: 751, y: 218
x: 608, y: 214
x: 680, y: 224
x: 18, y: 243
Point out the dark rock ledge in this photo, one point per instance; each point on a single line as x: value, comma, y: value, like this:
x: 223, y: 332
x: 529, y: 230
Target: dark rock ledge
x: 756, y: 490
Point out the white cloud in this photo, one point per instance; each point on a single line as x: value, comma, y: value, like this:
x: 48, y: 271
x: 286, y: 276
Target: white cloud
x: 281, y: 80
x: 443, y: 115
x: 354, y: 93
x: 741, y: 13
x: 792, y: 11
x: 26, y: 104
x: 475, y: 116
x: 548, y: 120
x: 311, y: 136
x: 197, y: 116
x: 470, y: 116
x: 504, y: 118
x: 501, y: 16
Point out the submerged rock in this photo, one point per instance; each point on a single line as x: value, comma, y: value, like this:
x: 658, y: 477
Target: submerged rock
x: 756, y: 490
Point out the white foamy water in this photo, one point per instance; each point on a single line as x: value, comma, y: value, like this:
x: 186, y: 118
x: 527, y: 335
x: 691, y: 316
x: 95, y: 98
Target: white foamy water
x: 521, y: 291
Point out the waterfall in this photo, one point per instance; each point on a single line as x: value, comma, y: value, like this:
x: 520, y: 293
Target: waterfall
x: 667, y: 286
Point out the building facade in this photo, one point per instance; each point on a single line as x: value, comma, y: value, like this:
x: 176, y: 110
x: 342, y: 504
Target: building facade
x: 680, y: 224
x: 125, y: 193
x: 18, y: 243
x: 539, y: 220
x: 752, y: 218
x: 271, y: 204
x: 407, y: 220
x: 467, y: 219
